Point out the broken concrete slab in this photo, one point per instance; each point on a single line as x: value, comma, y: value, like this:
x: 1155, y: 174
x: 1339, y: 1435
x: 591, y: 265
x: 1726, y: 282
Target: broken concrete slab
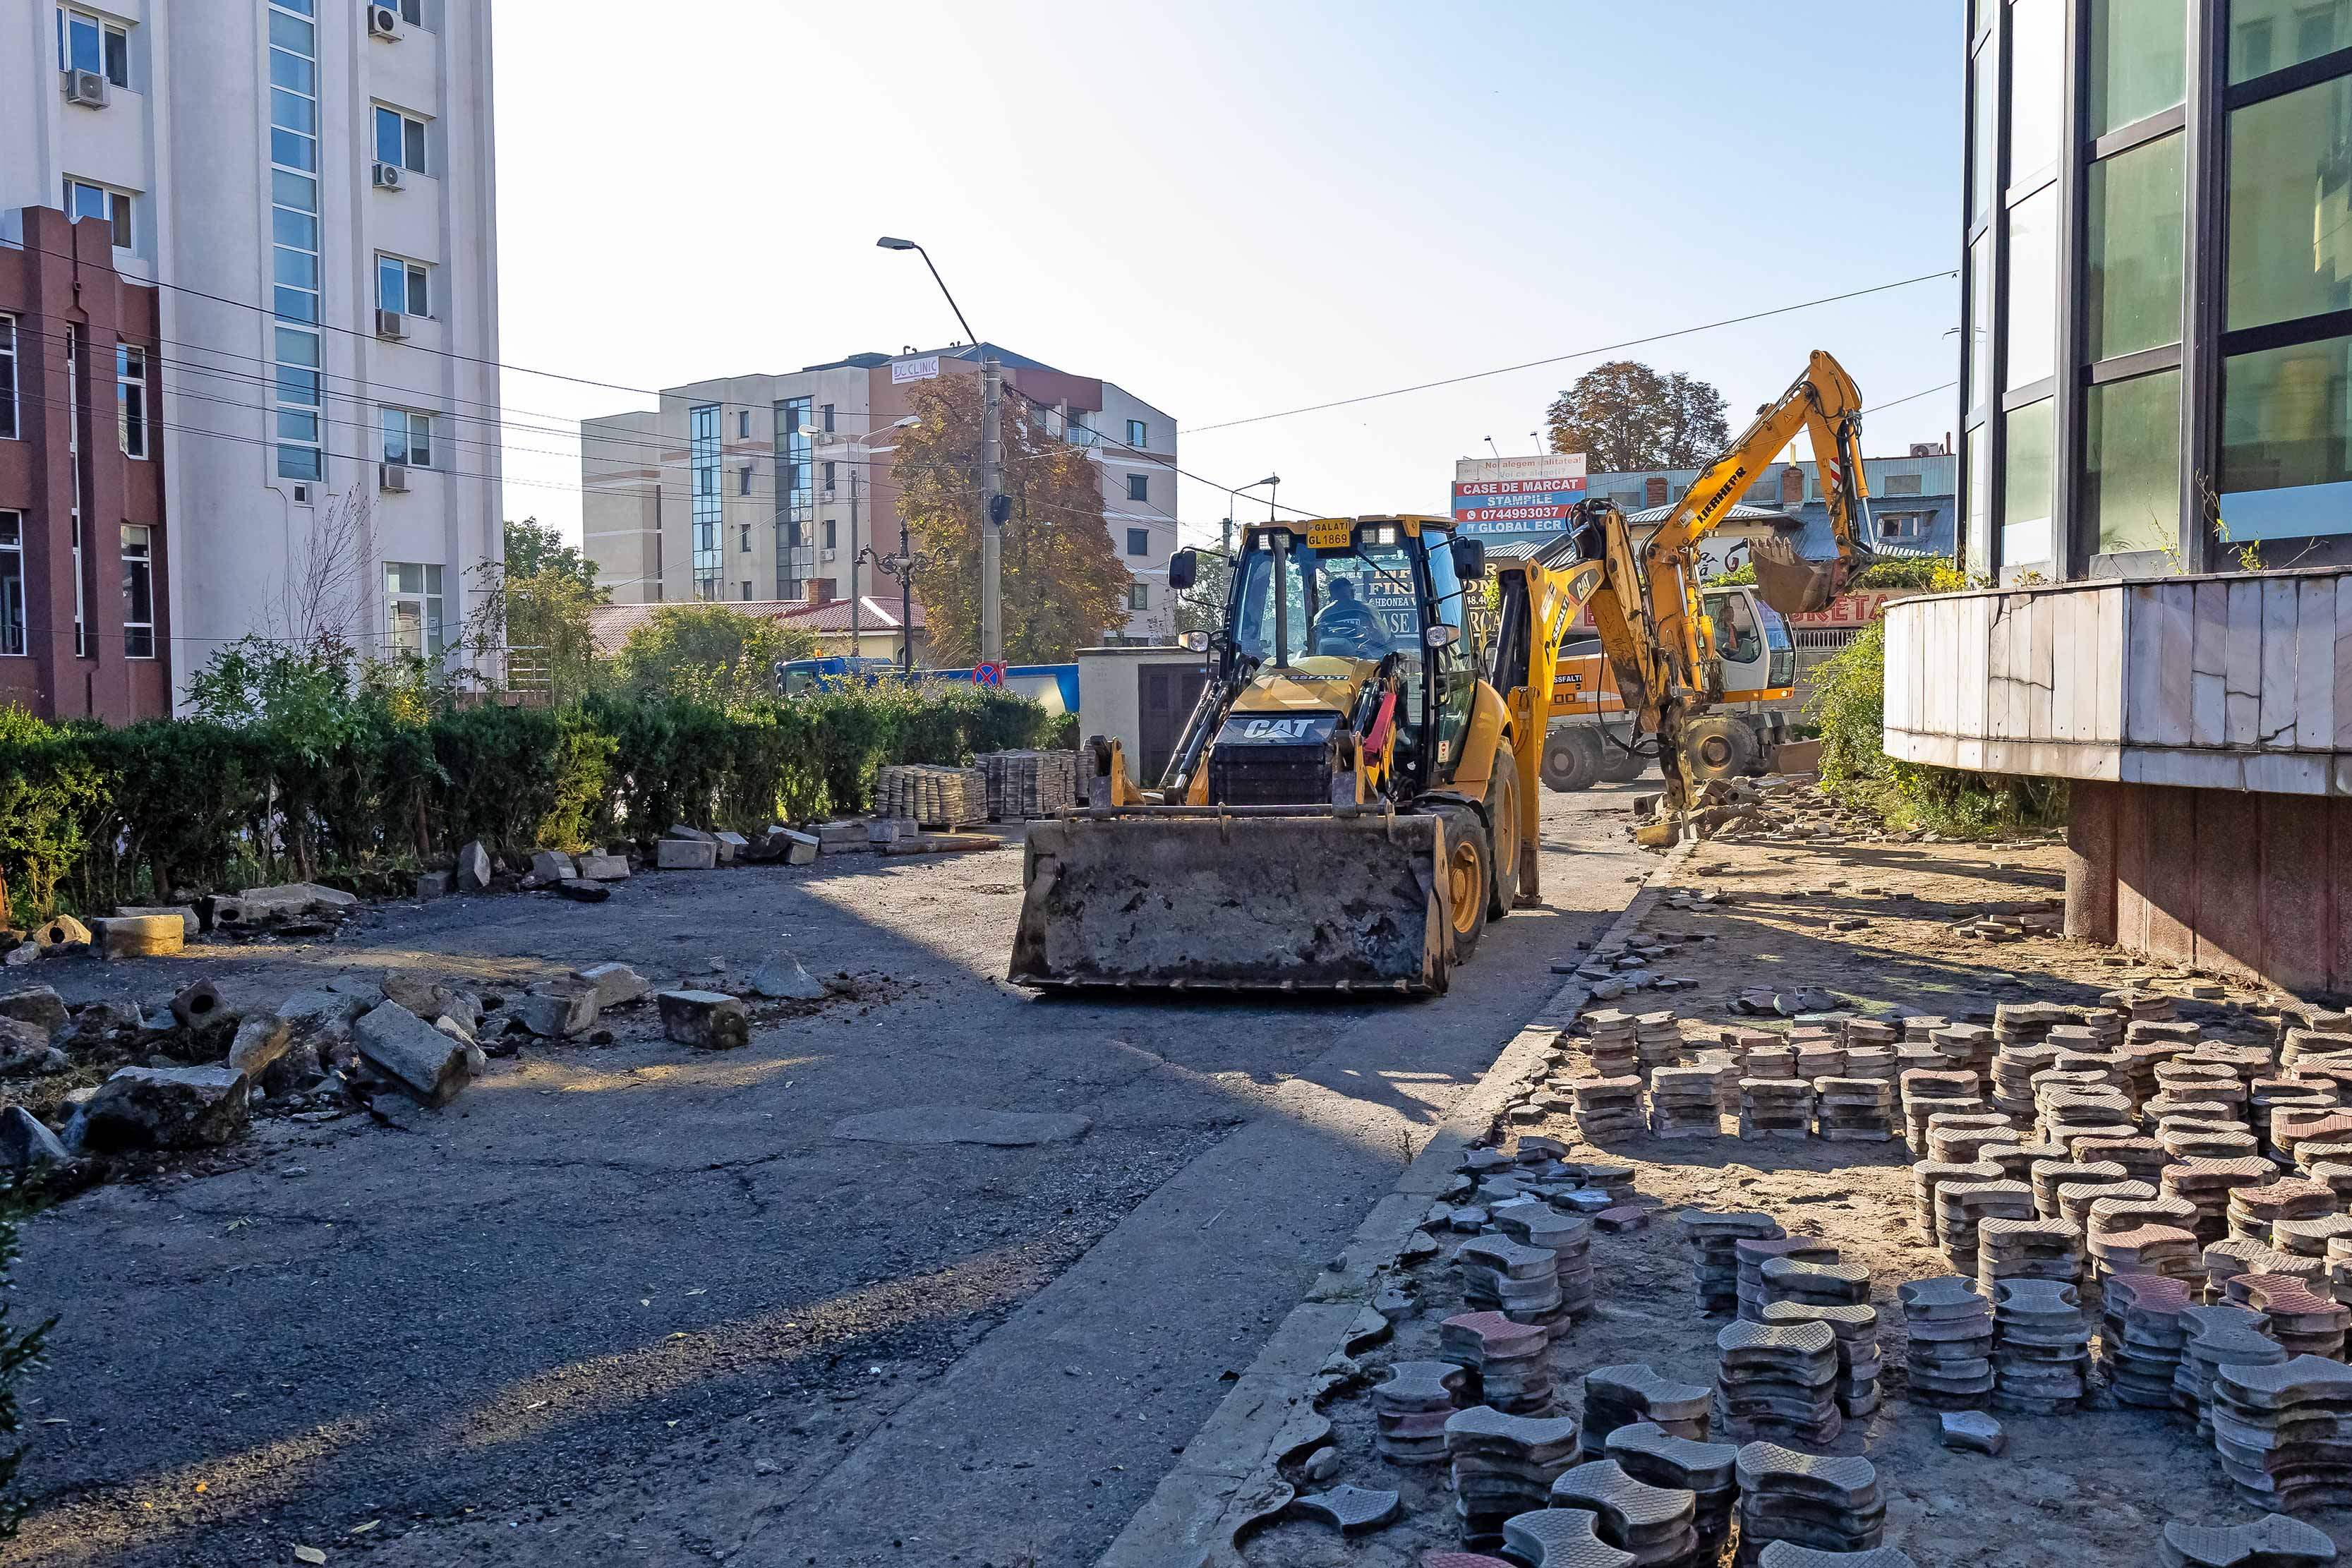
x: 140, y: 936
x: 261, y: 1038
x: 418, y: 1057
x: 557, y: 1011
x: 963, y: 1124
x: 685, y: 854
x: 785, y: 844
x: 1973, y: 1430
x: 25, y: 1049
x: 64, y: 932
x: 596, y: 867
x: 166, y: 1107
x: 39, y: 1004
x: 730, y: 846
x: 26, y: 1144
x: 185, y: 913
x: 781, y: 979
x: 709, y: 1020
x: 679, y: 830
x: 474, y: 866
x: 616, y: 984
x: 581, y: 890
x: 554, y: 866
x: 285, y: 901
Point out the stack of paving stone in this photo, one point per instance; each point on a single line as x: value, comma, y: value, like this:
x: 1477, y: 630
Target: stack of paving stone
x: 2290, y: 1129
x: 1499, y: 1275
x: 931, y: 796
x: 1740, y: 1042
x: 2266, y: 1096
x: 2027, y: 1022
x: 1778, y: 1381
x: 2048, y: 1176
x: 1506, y: 1359
x: 2217, y: 1336
x: 1960, y: 1207
x: 2301, y: 1044
x: 2142, y: 1158
x: 1854, y: 1109
x: 1776, y: 1062
x: 1872, y: 1034
x: 1807, y: 1283
x: 2013, y: 1071
x: 1503, y: 1465
x: 2225, y: 1260
x: 2189, y: 1078
x: 2077, y: 1198
x: 1957, y: 1138
x: 2303, y: 1321
x: 2208, y: 1183
x: 2284, y: 1431
x: 1685, y: 1103
x: 1611, y: 1178
x: 2144, y: 1007
x: 2311, y: 1237
x: 1658, y: 1526
x: 1919, y: 1028
x: 1950, y: 1333
x: 2249, y: 1062
x: 1859, y: 1361
x: 2210, y: 1141
x: 1876, y: 1063
x: 2068, y: 1113
x: 2016, y: 1160
x: 1634, y: 1392
x: 2141, y: 1338
x: 1967, y: 1047
x: 1819, y: 1055
x: 1775, y: 1108
x: 2253, y: 1210
x: 1562, y: 1536
x: 1658, y: 1040
x: 2027, y: 1249
x: 1022, y: 785
x: 1608, y: 1107
x: 1714, y: 1241
x: 1568, y: 1238
x: 2339, y: 1270
x: 1928, y: 1174
x: 1926, y: 1091
x: 1411, y: 1409
x: 1610, y: 1044
x: 2142, y: 1249
x: 1708, y: 1471
x: 2273, y: 1541
x: 1724, y: 1068
x: 1751, y: 1254
x: 2041, y: 1347
x: 1829, y: 1504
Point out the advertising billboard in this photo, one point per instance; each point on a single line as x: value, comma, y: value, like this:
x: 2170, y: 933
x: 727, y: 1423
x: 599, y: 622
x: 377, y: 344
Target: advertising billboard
x: 1517, y: 498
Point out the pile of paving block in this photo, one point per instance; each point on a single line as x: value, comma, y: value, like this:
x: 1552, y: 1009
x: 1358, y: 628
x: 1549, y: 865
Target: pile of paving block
x: 931, y: 796
x: 1025, y: 784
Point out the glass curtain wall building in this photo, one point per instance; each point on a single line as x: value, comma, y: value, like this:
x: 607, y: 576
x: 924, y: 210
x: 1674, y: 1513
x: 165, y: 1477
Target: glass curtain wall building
x: 2158, y: 297
x: 294, y: 231
x: 796, y: 492
x: 702, y: 457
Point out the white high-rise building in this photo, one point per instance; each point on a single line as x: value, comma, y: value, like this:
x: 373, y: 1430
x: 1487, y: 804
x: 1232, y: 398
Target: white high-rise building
x: 312, y: 185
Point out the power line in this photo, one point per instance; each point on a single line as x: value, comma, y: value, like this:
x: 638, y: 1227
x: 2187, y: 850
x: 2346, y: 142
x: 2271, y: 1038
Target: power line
x: 1557, y: 359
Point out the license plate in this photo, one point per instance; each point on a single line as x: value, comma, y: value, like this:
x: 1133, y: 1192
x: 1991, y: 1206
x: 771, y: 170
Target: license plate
x: 1331, y: 533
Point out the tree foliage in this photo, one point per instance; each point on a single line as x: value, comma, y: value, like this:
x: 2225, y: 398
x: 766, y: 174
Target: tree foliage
x: 1625, y: 417
x: 708, y: 654
x: 1062, y: 585
x: 537, y: 609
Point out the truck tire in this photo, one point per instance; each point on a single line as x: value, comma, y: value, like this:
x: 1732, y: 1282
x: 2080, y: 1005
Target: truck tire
x: 1469, y: 871
x: 1617, y: 765
x: 1503, y: 835
x: 1721, y: 748
x: 1571, y: 759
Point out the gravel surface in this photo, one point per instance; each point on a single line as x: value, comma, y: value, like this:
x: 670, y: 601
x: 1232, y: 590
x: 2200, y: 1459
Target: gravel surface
x: 626, y: 1303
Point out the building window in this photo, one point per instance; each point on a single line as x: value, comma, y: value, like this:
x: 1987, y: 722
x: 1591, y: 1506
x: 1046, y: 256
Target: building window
x: 1977, y: 445
x: 2291, y: 206
x: 830, y: 537
x: 294, y: 235
x: 2131, y: 463
x: 743, y: 538
x: 413, y: 12
x: 742, y: 425
x: 11, y: 582
x: 2026, y: 489
x: 408, y: 437
x: 743, y: 481
x: 2138, y: 209
x: 87, y: 44
x: 130, y: 399
x: 1904, y: 484
x: 747, y: 592
x: 1074, y: 431
x: 138, y: 592
x: 2033, y: 288
x: 702, y: 457
x: 2037, y: 54
x: 412, y: 607
x: 86, y: 200
x: 399, y: 140
x: 2139, y: 60
x: 795, y: 488
x: 1980, y: 318
x: 1984, y: 123
x: 403, y: 286
x: 7, y: 378
x: 828, y: 476
x: 2286, y: 442
x: 1138, y: 434
x: 1900, y: 527
x: 1138, y: 486
x: 2267, y: 35
x: 827, y: 412
x: 1139, y: 596
x: 1139, y: 541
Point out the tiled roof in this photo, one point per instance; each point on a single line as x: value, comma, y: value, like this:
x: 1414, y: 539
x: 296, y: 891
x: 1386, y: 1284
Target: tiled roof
x: 611, y: 625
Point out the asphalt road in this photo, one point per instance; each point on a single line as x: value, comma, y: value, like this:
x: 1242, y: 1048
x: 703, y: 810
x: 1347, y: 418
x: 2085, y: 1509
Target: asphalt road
x: 632, y: 1305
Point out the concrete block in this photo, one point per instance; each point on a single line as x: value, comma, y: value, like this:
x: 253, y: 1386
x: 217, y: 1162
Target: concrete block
x: 558, y: 1012
x: 141, y: 936
x: 39, y: 1004
x: 25, y: 1144
x: 432, y: 885
x: 597, y: 868
x: 421, y: 1059
x: 474, y: 866
x: 261, y: 1039
x: 781, y: 979
x: 799, y: 848
x: 187, y: 914
x: 63, y: 932
x: 166, y: 1107
x: 709, y: 1020
x: 581, y: 890
x: 730, y: 846
x: 692, y: 835
x: 552, y: 866
x: 687, y: 855
x: 616, y: 984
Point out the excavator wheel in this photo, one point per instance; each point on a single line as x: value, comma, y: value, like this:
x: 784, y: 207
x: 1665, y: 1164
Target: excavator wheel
x: 1503, y: 813
x: 1469, y: 872
x: 1720, y: 748
x: 1619, y: 766
x: 1571, y: 759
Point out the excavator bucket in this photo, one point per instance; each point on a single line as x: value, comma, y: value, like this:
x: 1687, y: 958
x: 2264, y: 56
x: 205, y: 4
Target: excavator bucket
x: 1790, y: 583
x: 1246, y: 899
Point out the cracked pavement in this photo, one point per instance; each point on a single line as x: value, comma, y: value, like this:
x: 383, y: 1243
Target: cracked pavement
x: 633, y: 1304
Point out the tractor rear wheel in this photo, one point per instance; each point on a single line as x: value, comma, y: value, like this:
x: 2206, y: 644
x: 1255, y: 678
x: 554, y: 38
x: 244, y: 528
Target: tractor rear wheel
x: 1469, y: 872
x: 1503, y: 814
x: 1721, y: 748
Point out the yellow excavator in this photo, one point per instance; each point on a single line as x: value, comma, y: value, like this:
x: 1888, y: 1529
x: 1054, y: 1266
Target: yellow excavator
x: 1354, y: 797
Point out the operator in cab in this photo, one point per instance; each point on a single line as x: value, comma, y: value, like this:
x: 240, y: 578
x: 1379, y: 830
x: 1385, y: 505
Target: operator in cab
x: 1348, y: 627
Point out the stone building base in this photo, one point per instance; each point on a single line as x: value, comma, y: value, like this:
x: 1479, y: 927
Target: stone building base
x: 2224, y: 881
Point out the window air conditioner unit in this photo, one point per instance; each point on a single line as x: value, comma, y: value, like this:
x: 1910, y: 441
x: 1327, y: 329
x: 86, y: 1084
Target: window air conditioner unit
x: 829, y: 554
x: 384, y: 22
x: 393, y: 479
x: 387, y: 176
x: 391, y: 324
x: 85, y: 87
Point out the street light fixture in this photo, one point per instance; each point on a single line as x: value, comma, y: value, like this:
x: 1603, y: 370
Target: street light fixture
x: 1233, y: 495
x: 888, y: 243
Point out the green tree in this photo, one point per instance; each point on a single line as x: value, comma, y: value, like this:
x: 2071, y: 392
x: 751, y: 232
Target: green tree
x: 536, y: 610
x: 708, y: 654
x: 1626, y: 417
x: 1063, y: 585
x: 535, y: 548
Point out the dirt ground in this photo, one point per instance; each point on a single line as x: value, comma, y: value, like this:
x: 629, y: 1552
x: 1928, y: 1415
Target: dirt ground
x: 2092, y: 1488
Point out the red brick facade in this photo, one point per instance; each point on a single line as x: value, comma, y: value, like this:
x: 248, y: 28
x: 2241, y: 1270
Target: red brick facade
x: 65, y: 296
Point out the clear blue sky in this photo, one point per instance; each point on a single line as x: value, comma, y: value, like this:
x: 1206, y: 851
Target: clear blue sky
x: 1231, y: 208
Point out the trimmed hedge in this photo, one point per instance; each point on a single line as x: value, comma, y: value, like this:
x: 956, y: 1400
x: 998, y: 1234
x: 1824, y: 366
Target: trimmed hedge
x: 90, y: 817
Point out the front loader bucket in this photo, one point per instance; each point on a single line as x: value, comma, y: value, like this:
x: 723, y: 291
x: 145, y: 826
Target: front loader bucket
x: 1273, y: 899
x: 1791, y: 583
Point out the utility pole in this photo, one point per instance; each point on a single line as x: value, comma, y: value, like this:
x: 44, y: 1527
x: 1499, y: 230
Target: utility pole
x: 856, y: 644
x: 991, y: 532
x: 905, y: 595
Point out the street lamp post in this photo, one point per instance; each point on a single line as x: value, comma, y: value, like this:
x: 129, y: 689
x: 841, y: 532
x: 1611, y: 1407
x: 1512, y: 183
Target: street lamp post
x: 991, y: 447
x: 1232, y: 498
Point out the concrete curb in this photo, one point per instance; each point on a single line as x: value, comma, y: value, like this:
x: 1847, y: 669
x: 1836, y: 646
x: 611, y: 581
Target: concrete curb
x: 1227, y: 1476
